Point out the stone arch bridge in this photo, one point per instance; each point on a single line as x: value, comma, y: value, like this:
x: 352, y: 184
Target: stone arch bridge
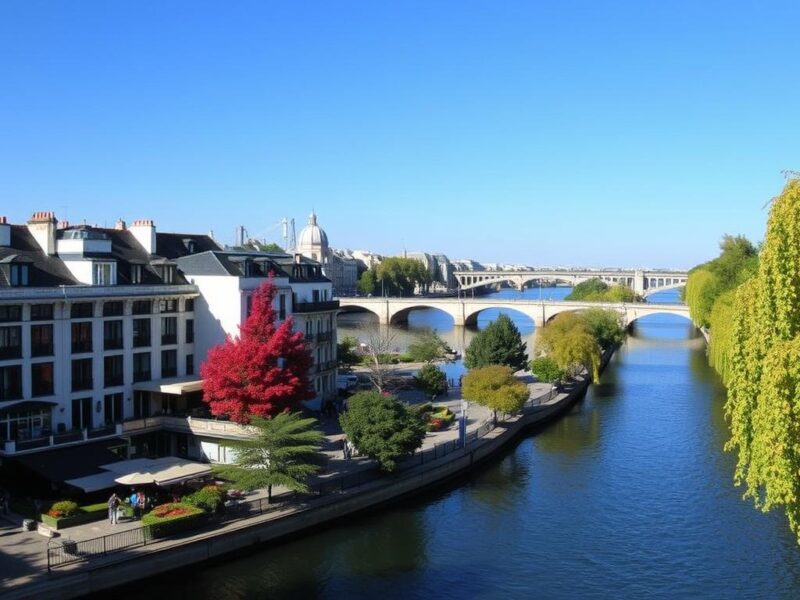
x: 643, y: 283
x: 465, y: 311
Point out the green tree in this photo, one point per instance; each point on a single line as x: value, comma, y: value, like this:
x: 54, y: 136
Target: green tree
x: 284, y: 451
x: 382, y: 427
x: 597, y: 290
x: 546, y: 369
x: 428, y: 347
x: 585, y: 289
x: 368, y: 283
x: 702, y: 289
x: 346, y: 353
x: 496, y: 388
x: 401, y: 276
x: 499, y: 344
x: 569, y: 341
x: 763, y: 402
x: 605, y: 326
x: 432, y: 379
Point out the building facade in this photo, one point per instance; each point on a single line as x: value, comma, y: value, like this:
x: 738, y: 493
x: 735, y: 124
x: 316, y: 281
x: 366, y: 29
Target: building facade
x: 102, y: 332
x: 339, y: 267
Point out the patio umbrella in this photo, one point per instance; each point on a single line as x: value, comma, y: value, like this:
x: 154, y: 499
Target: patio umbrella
x: 144, y: 478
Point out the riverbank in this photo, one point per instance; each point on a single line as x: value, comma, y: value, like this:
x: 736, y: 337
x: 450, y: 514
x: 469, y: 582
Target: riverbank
x: 103, y: 572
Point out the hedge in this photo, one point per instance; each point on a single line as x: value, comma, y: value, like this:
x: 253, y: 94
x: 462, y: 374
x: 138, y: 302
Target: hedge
x: 84, y: 514
x: 174, y: 517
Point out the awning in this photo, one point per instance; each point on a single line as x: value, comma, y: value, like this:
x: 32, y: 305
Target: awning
x: 94, y: 483
x: 72, y: 462
x: 173, y: 385
x: 25, y: 405
x: 169, y: 470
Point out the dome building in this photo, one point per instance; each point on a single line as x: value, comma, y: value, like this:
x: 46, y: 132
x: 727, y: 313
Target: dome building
x: 341, y: 270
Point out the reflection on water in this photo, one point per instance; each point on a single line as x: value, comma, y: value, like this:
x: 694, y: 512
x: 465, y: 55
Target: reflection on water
x: 628, y: 496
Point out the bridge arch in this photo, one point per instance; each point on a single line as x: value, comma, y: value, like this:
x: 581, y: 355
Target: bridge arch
x: 401, y: 316
x: 674, y: 286
x: 354, y: 309
x: 631, y: 319
x: 471, y: 318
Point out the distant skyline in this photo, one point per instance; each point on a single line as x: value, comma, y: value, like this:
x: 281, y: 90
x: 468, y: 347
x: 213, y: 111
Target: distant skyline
x: 583, y: 133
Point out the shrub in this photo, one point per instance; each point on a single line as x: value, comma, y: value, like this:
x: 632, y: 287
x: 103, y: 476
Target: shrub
x: 209, y: 498
x: 546, y: 369
x: 173, y: 517
x: 435, y: 424
x: 431, y: 379
x: 63, y: 508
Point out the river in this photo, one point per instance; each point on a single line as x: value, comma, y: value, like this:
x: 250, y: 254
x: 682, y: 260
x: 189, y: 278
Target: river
x: 628, y: 496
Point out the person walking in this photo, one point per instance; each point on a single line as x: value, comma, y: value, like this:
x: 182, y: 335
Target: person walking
x: 113, y: 507
x: 141, y: 502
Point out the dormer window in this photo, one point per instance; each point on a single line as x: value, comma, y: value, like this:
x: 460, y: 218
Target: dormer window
x: 248, y: 268
x: 104, y: 273
x: 136, y: 273
x: 168, y: 273
x: 18, y: 275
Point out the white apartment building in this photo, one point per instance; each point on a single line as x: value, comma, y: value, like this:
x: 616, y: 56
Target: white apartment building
x: 102, y: 332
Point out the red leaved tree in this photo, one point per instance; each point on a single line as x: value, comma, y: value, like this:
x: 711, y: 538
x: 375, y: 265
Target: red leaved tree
x: 262, y: 372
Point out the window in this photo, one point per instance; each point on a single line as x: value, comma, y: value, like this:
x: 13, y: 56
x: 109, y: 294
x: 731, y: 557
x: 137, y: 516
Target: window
x: 189, y: 331
x: 315, y: 296
x: 104, y: 273
x: 112, y: 334
x: 141, y: 332
x: 112, y: 309
x: 168, y: 306
x: 169, y: 363
x: 188, y: 305
x: 136, y: 273
x: 41, y: 340
x: 42, y: 379
x: 10, y: 312
x: 10, y: 342
x: 142, y: 307
x: 113, y: 411
x: 282, y: 307
x: 112, y: 370
x: 18, y: 275
x: 82, y: 413
x: 82, y: 374
x: 248, y: 268
x: 248, y: 305
x: 141, y: 366
x: 169, y: 330
x: 11, y: 382
x: 82, y: 310
x: 168, y: 273
x: 190, y: 364
x: 82, y: 337
x: 41, y: 312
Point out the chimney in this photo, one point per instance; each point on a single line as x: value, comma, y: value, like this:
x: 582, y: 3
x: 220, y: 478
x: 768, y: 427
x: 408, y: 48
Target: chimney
x: 42, y: 226
x: 120, y: 225
x: 5, y: 232
x: 298, y: 259
x: 144, y: 230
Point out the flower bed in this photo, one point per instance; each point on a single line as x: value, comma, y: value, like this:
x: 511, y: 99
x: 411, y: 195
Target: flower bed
x: 68, y: 514
x: 438, y: 419
x: 170, y: 518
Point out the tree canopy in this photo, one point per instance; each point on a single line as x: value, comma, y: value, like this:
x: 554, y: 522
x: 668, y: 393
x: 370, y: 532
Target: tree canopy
x: 569, y: 340
x: 432, y: 379
x: 346, y: 352
x: 546, y: 369
x: 495, y: 387
x: 395, y: 276
x: 262, y: 372
x: 382, y: 427
x: 761, y: 353
x: 428, y: 347
x: 597, y: 290
x: 500, y: 343
x: 284, y: 451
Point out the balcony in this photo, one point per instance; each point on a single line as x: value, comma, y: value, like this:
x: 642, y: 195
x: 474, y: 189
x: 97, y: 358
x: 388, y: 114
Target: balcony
x: 325, y: 336
x: 82, y: 384
x: 80, y: 346
x: 112, y: 380
x: 310, y: 307
x: 168, y: 339
x: 197, y: 426
x: 112, y: 343
x: 21, y: 446
x: 42, y: 349
x: 9, y: 352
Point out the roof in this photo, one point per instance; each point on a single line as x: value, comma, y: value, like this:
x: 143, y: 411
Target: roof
x: 173, y: 385
x: 312, y: 235
x: 176, y: 245
x: 233, y: 263
x: 71, y: 462
x: 45, y: 270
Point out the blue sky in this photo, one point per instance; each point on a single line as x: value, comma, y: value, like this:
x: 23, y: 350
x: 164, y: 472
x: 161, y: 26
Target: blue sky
x: 550, y: 133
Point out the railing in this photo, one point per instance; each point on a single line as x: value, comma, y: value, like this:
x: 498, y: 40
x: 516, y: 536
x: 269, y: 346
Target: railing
x: 307, y: 307
x: 61, y: 552
x: 186, y: 425
x: 42, y: 349
x: 324, y: 336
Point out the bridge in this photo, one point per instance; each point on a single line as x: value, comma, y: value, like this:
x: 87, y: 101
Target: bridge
x: 465, y: 311
x: 642, y: 282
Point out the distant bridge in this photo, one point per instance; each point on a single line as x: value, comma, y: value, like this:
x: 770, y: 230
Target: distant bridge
x: 643, y: 283
x: 465, y: 311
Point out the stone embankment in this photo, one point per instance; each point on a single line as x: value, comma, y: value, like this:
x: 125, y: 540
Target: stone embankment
x: 145, y: 561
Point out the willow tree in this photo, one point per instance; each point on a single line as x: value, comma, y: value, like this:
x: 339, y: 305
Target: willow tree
x: 720, y: 346
x: 700, y: 295
x: 763, y: 401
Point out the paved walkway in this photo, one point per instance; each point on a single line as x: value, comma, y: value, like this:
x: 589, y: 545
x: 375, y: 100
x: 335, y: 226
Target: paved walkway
x: 23, y: 554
